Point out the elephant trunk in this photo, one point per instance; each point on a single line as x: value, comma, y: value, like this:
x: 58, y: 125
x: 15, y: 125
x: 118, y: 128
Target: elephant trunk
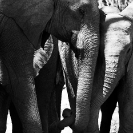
x: 87, y: 44
x: 117, y: 43
x: 111, y: 73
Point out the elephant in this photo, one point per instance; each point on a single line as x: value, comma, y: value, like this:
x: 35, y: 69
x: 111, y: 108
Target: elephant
x: 120, y: 59
x: 22, y: 25
x: 109, y: 105
x: 113, y: 61
x: 44, y: 84
x: 111, y: 46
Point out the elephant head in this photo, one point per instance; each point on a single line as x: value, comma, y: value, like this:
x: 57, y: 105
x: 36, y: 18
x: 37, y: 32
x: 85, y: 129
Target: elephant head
x: 117, y: 40
x: 77, y: 22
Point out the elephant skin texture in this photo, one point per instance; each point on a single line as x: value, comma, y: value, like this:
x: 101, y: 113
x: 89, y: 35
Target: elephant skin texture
x: 49, y: 84
x: 117, y: 39
x: 126, y: 46
x: 113, y: 61
x: 22, y: 26
x: 109, y: 105
x: 111, y: 20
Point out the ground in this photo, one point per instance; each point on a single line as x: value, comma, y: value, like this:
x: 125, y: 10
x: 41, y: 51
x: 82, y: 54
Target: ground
x: 65, y: 104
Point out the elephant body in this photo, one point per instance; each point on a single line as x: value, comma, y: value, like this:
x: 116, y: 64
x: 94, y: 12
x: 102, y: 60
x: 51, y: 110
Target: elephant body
x: 109, y: 105
x: 113, y: 61
x: 22, y: 24
x: 112, y: 46
x: 104, y: 80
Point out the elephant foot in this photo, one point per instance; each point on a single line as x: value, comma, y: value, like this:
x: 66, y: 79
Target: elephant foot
x: 68, y: 120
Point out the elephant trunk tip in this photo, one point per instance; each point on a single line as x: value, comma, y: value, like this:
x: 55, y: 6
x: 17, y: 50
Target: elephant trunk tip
x: 68, y: 120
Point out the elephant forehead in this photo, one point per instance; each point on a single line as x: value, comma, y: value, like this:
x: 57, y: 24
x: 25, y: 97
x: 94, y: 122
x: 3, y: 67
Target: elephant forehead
x: 117, y: 23
x: 118, y: 35
x: 117, y: 41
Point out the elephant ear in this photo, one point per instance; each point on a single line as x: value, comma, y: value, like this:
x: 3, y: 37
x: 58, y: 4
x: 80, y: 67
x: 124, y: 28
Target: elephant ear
x: 30, y: 15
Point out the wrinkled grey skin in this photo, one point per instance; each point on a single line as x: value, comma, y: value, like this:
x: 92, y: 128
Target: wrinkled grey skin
x: 54, y: 82
x: 22, y: 24
x: 117, y: 51
x: 120, y: 4
x: 113, y: 61
x: 109, y: 24
x: 109, y: 105
x: 47, y: 88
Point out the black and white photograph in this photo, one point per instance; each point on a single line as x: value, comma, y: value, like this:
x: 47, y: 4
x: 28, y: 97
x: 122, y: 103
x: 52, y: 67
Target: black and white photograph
x: 66, y: 66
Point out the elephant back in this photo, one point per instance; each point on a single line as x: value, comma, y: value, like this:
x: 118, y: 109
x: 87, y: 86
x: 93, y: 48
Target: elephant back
x: 30, y: 15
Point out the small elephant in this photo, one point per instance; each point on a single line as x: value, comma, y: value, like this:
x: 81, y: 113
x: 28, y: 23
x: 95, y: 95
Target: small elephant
x: 118, y: 57
x: 109, y: 105
x: 21, y: 28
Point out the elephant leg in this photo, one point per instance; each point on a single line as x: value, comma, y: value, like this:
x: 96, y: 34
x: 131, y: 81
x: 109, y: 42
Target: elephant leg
x: 58, y: 94
x: 43, y: 96
x: 55, y: 102
x: 17, y: 54
x: 16, y: 122
x: 4, y: 105
x: 45, y: 84
x: 107, y: 110
x: 59, y: 87
x: 126, y: 104
x: 53, y: 115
